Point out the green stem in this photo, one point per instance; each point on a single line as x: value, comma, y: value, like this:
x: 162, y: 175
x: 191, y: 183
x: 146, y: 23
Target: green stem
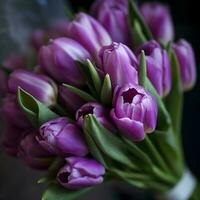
x: 62, y: 111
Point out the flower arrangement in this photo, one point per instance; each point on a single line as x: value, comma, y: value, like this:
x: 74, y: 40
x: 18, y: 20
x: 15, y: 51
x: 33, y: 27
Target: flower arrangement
x: 102, y: 101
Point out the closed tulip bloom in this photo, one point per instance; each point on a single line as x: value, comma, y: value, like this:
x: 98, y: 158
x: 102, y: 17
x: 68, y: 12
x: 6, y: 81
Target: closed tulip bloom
x: 59, y: 58
x: 96, y: 109
x: 186, y: 59
x: 158, y: 18
x: 38, y: 38
x: 12, y: 112
x: 3, y: 83
x: 33, y: 154
x: 39, y: 86
x: 80, y: 173
x: 71, y: 101
x: 158, y: 66
x: 89, y: 32
x: 113, y: 15
x: 11, y: 138
x: 120, y: 63
x: 134, y: 112
x: 59, y: 136
x: 14, y: 61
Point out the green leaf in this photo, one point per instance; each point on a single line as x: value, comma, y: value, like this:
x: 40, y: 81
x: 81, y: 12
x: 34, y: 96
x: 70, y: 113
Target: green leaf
x: 95, y: 76
x: 174, y: 101
x: 106, y: 92
x: 143, y: 69
x: 109, y: 144
x: 35, y: 111
x: 134, y: 14
x: 164, y: 120
x: 84, y: 95
x: 57, y: 192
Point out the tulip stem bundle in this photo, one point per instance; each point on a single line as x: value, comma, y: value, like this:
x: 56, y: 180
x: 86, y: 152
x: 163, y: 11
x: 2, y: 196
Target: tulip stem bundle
x: 104, y: 101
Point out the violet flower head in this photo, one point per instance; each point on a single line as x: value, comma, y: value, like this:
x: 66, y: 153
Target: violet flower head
x: 3, y: 83
x: 120, y: 63
x: 134, y: 112
x: 12, y: 136
x: 96, y: 109
x: 113, y: 15
x: 158, y: 18
x: 80, y: 173
x: 39, y: 86
x: 71, y: 101
x: 158, y: 66
x: 89, y: 32
x: 59, y: 58
x: 60, y: 136
x: 12, y: 112
x: 33, y: 154
x: 186, y: 59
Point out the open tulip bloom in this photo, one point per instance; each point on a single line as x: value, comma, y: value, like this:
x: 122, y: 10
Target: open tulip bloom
x: 104, y: 102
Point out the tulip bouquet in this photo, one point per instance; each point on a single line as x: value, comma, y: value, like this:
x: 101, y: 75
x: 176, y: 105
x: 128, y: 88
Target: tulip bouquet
x: 102, y: 102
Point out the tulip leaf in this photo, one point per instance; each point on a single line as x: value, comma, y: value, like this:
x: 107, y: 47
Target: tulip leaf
x: 112, y: 146
x: 35, y: 111
x: 95, y: 76
x: 84, y: 95
x: 143, y: 69
x: 106, y: 91
x: 134, y: 14
x: 174, y: 101
x: 57, y: 192
x: 164, y: 119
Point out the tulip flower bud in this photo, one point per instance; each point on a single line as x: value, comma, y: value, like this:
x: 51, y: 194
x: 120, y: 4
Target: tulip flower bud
x: 33, y: 154
x: 89, y: 32
x: 59, y: 136
x: 71, y: 101
x: 59, y: 58
x: 120, y: 63
x: 11, y: 138
x: 134, y: 112
x: 40, y: 86
x: 186, y: 59
x: 14, y: 61
x: 3, y: 83
x: 80, y: 172
x: 158, y: 18
x: 96, y: 109
x: 113, y: 15
x: 38, y: 38
x: 158, y: 66
x: 12, y: 112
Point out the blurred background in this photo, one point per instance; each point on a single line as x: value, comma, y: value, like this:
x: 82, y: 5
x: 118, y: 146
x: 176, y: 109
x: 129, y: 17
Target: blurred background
x: 18, y: 18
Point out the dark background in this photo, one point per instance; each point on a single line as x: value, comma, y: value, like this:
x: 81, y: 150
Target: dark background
x: 16, y: 180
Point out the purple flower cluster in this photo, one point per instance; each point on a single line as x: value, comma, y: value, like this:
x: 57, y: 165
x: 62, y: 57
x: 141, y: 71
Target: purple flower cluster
x: 105, y: 39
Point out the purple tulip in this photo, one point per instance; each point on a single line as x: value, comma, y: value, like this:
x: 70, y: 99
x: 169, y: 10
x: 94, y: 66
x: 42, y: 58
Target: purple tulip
x: 80, y: 172
x: 96, y: 109
x: 89, y: 32
x: 59, y: 136
x: 12, y: 112
x: 14, y: 61
x: 40, y: 86
x: 120, y: 63
x: 38, y: 39
x: 59, y: 58
x: 3, y: 83
x: 158, y: 66
x: 134, y: 112
x: 186, y: 59
x: 113, y: 15
x: 159, y: 20
x: 33, y: 154
x: 11, y: 138
x: 71, y: 101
